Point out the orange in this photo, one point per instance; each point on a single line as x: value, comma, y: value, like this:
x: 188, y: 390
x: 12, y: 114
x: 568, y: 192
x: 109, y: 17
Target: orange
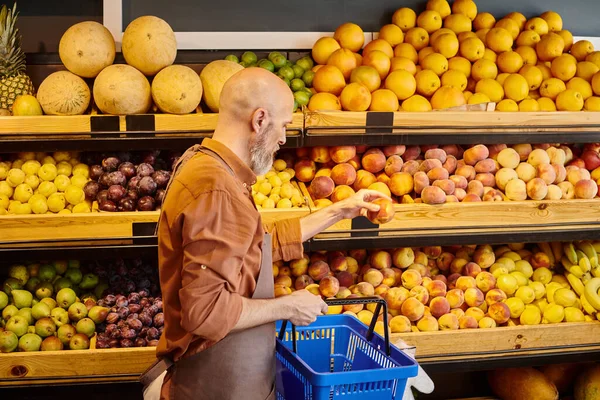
x: 359, y: 58
x: 528, y: 55
x: 350, y: 36
x: 472, y: 49
x: 519, y: 18
x: 417, y: 37
x: 384, y: 100
x: 546, y: 104
x: 564, y: 67
x: 402, y: 83
x: 446, y: 45
x: 499, y: 40
x: 515, y: 87
x: 478, y: 98
x: 482, y: 34
x: 416, y: 103
x: 429, y: 20
x: 324, y: 101
x: 447, y: 97
x: 317, y: 67
x: 467, y: 95
x: 392, y: 34
x: 592, y: 104
x: 490, y: 55
x: 466, y: 35
x: 538, y: 25
x: 596, y: 83
x: 441, y: 6
x: 403, y: 63
x: 586, y: 69
x: 582, y: 86
x: 510, y: 25
x: 367, y: 76
x: 323, y: 48
x: 533, y: 76
x: 582, y: 49
x: 405, y: 18
x: 546, y: 71
x: 491, y: 88
x: 528, y: 38
x: 454, y: 78
x: 507, y: 105
x: 502, y: 77
x: 458, y: 23
x: 594, y: 57
x: 329, y: 79
x: 550, y: 46
x: 552, y: 87
x: 510, y: 61
x: 406, y: 50
x: 379, y: 45
x: 427, y: 82
x: 484, y: 20
x: 567, y: 37
x: 484, y: 69
x: 465, y: 7
x: 355, y: 97
x: 435, y: 62
x: 529, y: 105
x: 378, y: 60
x: 424, y: 52
x: 569, y: 100
x: 534, y: 94
x: 460, y: 64
x: 344, y: 60
x: 554, y: 21
x: 433, y: 37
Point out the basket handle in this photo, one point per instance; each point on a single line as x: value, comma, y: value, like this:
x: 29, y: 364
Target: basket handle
x: 342, y: 302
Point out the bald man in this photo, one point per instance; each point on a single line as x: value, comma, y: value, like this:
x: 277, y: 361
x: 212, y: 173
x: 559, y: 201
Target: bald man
x: 216, y: 255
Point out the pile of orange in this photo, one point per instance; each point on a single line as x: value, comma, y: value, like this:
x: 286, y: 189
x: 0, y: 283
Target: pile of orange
x: 452, y: 55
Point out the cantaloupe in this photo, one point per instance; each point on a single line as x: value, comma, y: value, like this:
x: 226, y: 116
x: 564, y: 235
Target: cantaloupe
x: 64, y: 93
x: 122, y: 90
x: 177, y: 89
x: 522, y: 383
x: 587, y: 385
x: 149, y: 44
x: 213, y: 78
x: 86, y: 49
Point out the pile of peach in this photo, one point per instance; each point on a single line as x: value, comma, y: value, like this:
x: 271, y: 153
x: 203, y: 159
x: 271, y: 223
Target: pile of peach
x: 449, y: 173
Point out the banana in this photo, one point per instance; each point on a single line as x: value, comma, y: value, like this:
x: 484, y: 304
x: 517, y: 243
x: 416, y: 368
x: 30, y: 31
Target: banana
x: 575, y: 269
x: 584, y: 262
x: 545, y: 247
x: 589, y: 250
x: 591, y: 292
x: 586, y: 278
x: 570, y: 253
x: 596, y: 272
x: 596, y: 246
x: 576, y: 283
x: 587, y: 306
x: 557, y: 249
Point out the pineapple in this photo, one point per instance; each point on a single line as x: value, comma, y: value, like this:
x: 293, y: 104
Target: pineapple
x: 13, y: 80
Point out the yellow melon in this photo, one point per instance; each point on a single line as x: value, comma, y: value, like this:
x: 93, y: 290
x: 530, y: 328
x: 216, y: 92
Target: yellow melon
x: 122, y: 90
x: 177, y: 89
x: 64, y: 93
x: 213, y: 78
x: 149, y: 44
x: 87, y: 48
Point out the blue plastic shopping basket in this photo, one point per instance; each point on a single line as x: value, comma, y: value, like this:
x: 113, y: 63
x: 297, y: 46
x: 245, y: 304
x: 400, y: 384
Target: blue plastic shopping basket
x: 338, y: 357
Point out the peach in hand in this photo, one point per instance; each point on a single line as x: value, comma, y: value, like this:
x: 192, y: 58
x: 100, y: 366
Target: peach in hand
x: 385, y: 214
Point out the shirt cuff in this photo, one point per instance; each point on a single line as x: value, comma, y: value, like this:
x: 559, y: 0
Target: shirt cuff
x: 287, y: 240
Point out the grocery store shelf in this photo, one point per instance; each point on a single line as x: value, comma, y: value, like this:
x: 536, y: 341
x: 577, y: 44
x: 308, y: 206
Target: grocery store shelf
x: 333, y: 128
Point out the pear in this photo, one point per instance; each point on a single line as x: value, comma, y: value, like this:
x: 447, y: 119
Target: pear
x: 3, y: 300
x: 77, y: 312
x: 19, y: 272
x: 30, y: 342
x: 11, y: 284
x: 9, y: 311
x: 27, y: 314
x: 52, y: 343
x: 74, y: 275
x: 34, y: 270
x: 47, y: 273
x: 99, y: 290
x: 98, y: 314
x: 79, y: 342
x: 22, y: 298
x: 18, y: 325
x: 89, y: 281
x: 31, y: 329
x: 62, y: 283
x: 8, y: 341
x: 74, y: 264
x: 32, y: 283
x: 61, y: 266
x: 65, y: 297
x: 89, y: 303
x: 40, y: 310
x: 49, y: 301
x: 60, y: 316
x: 45, y: 327
x: 65, y: 333
x: 44, y: 290
x: 86, y: 326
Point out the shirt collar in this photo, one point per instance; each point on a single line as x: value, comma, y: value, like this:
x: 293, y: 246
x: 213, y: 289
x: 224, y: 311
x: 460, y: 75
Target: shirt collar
x: 241, y: 170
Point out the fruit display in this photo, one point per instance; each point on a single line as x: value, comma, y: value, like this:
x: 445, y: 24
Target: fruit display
x: 450, y: 173
x: 275, y: 188
x: 456, y: 287
x: 450, y: 56
x: 297, y: 75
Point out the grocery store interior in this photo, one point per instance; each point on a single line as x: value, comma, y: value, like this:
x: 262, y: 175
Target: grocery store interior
x: 478, y: 119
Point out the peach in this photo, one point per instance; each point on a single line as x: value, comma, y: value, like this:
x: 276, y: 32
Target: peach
x: 381, y: 289
x: 537, y: 157
x: 343, y: 174
x: 314, y: 289
x: 342, y: 154
x: 411, y: 153
x: 509, y: 158
x: 487, y: 179
x: 420, y: 257
x: 441, y: 278
x: 586, y: 189
x: 495, y: 149
x: 395, y: 297
x: 421, y: 181
x: 329, y: 286
x: 437, y: 154
x: 568, y: 153
x: 499, y: 312
x: 360, y: 255
x: 460, y: 194
x: 393, y: 164
x: 487, y: 165
x: 284, y: 280
x: 300, y: 266
x: 450, y: 165
x: 487, y: 323
x: 494, y: 296
x: 432, y: 251
x: 554, y: 193
x: 475, y: 154
x: 577, y: 162
x: 400, y: 324
x: 343, y: 293
x: 561, y: 173
x: 373, y: 276
x: 444, y: 260
x: 355, y: 308
x: 428, y: 324
x: 493, y: 195
x: 460, y: 182
x: 403, y: 257
x: 503, y: 176
x: 361, y: 149
x: 389, y: 277
x: 364, y: 179
x: 285, y: 271
x: 420, y: 293
x: 436, y: 289
x: 466, y: 252
x: 381, y: 188
x: 526, y: 172
x: 475, y: 312
x: 467, y: 171
x: 411, y: 167
x: 318, y: 256
x: 474, y: 297
x: 411, y: 278
x: 381, y: 259
x: 516, y: 190
x: 345, y: 278
x: 318, y: 270
x: 394, y: 150
x: 452, y: 149
x: 412, y: 309
x: 465, y: 282
x: 448, y: 322
x: 341, y: 192
x: 476, y: 188
x: 365, y: 289
x: 355, y: 162
x: 383, y: 178
x: 322, y: 203
x: 484, y: 257
x: 437, y: 173
x: 338, y: 264
x: 455, y: 297
x: 457, y: 265
x: 401, y: 183
x: 459, y: 312
x: 557, y: 155
x: 281, y: 290
x: 373, y: 160
x: 320, y: 154
x: 543, y: 146
x: 576, y: 175
x: 467, y: 322
x: 323, y: 172
x: 472, y: 269
x: 547, y: 173
x: 433, y: 195
x: 523, y: 150
x: 398, y: 276
x: 305, y: 170
x: 385, y: 213
x: 302, y: 152
x: 430, y: 164
x: 537, y: 189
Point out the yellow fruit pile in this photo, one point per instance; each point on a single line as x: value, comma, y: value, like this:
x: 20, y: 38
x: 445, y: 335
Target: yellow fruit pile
x: 275, y: 190
x: 451, y: 56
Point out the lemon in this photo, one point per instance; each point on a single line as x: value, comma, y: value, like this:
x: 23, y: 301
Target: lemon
x: 4, y: 201
x: 268, y: 204
x: 48, y: 172
x: 62, y: 182
x: 265, y: 188
x: 573, y: 314
x: 81, y: 208
x: 287, y: 191
x: 551, y: 289
x: 554, y: 313
x: 507, y: 262
x: 524, y: 267
x: 56, y: 202
x: 6, y: 189
x: 47, y: 188
x: 275, y: 181
x: 81, y: 169
x: 23, y: 209
x: 284, y: 203
x: 507, y: 283
x: 31, y: 167
x: 64, y: 211
x: 516, y: 306
x: 74, y: 195
x: 522, y: 280
x: 565, y: 297
x: 23, y: 193
x: 48, y: 160
x: 15, y: 177
x: 32, y: 181
x: 531, y: 316
x: 61, y: 156
x: 538, y: 288
x: 526, y: 294
x: 64, y: 168
x: 38, y: 204
x: 284, y: 176
x: 17, y: 164
x: 543, y: 275
x: 562, y: 280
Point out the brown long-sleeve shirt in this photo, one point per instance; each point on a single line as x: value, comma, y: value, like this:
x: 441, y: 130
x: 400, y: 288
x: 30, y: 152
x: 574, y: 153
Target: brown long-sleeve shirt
x: 210, y: 238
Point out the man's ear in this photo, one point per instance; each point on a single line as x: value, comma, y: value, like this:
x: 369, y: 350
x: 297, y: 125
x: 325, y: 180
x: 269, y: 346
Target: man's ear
x: 259, y: 119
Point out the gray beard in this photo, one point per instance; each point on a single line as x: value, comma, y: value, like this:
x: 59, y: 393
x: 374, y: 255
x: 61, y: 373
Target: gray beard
x: 261, y: 159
